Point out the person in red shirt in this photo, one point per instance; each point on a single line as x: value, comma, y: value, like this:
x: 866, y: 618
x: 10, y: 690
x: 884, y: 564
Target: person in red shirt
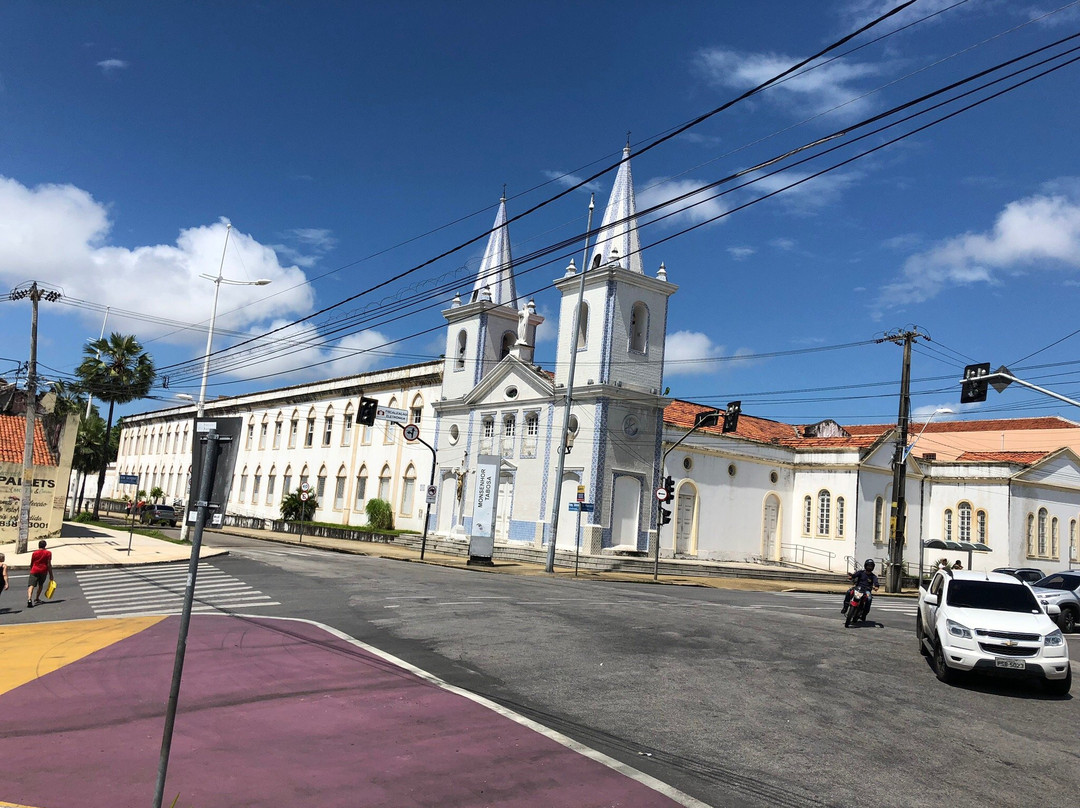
x: 40, y: 567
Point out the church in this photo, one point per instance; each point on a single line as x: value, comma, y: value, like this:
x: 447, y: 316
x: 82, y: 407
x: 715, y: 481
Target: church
x: 504, y: 452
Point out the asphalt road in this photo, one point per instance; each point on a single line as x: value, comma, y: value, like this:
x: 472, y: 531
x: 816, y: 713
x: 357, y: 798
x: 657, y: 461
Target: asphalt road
x: 737, y: 698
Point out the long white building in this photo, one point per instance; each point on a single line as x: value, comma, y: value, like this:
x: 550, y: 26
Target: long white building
x: 813, y: 494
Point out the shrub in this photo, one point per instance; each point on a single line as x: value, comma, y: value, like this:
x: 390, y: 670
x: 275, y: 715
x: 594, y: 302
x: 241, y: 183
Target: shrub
x: 379, y: 514
x: 293, y: 508
x: 83, y: 517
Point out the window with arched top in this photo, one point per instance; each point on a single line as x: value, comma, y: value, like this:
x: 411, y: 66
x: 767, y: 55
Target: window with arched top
x: 583, y: 326
x: 384, y: 484
x: 639, y: 327
x: 1031, y: 534
x: 361, y: 488
x: 294, y: 428
x: 947, y: 527
x: 347, y: 425
x: 286, y: 482
x: 416, y: 409
x: 271, y: 484
x: 1072, y: 540
x: 508, y: 340
x: 839, y: 517
x: 1043, y: 514
x: 963, y: 521
x: 459, y: 356
x: 879, y: 520
x: 824, y: 512
x: 1055, y: 538
x: 320, y: 484
x: 808, y: 514
x: 339, y: 489
x: 408, y: 490
x: 981, y: 534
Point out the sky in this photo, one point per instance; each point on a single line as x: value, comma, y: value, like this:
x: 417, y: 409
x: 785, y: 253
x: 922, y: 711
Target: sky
x: 359, y: 151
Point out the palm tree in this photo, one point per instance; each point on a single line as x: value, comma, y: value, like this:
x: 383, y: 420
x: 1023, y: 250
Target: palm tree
x: 88, y: 446
x: 115, y: 369
x: 156, y: 494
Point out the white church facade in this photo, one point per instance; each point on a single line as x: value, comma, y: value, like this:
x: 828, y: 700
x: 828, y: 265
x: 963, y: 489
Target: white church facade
x: 816, y: 495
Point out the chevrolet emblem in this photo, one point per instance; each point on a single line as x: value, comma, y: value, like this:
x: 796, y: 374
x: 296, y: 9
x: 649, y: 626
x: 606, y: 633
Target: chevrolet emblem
x: 1011, y: 643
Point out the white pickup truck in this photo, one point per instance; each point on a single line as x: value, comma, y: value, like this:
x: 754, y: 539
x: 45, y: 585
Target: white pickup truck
x: 990, y: 623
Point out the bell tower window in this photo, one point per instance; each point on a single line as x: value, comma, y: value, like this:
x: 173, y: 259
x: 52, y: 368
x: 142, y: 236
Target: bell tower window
x: 639, y: 327
x: 459, y: 360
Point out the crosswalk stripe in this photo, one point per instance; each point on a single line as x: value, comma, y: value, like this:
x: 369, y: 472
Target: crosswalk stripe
x: 161, y: 590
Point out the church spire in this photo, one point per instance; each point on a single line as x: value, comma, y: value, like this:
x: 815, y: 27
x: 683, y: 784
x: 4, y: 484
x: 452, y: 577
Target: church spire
x: 496, y: 269
x: 617, y: 238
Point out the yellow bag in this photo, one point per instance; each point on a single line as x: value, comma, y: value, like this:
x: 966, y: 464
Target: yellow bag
x: 50, y: 590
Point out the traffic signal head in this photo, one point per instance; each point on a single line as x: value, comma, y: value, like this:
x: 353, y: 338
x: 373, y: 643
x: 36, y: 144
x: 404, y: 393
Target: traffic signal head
x: 731, y: 416
x: 669, y: 486
x: 973, y: 388
x: 665, y: 515
x: 366, y: 414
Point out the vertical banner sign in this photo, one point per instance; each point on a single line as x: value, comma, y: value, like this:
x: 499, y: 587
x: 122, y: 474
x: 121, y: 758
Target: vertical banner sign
x: 223, y: 474
x: 485, y: 496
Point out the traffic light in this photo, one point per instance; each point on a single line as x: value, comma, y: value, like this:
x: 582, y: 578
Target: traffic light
x: 973, y: 388
x: 731, y: 417
x: 366, y: 414
x: 669, y: 488
x: 665, y: 515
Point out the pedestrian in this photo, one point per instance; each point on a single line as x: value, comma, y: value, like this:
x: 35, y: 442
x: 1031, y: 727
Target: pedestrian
x: 958, y: 565
x: 3, y: 573
x: 40, y: 567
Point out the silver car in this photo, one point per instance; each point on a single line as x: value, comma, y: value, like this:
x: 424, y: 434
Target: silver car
x: 1061, y: 589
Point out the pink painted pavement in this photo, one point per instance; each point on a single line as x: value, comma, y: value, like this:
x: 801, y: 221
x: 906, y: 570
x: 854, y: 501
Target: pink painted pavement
x: 278, y: 713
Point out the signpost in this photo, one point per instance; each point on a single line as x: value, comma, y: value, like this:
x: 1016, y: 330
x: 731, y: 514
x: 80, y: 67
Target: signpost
x: 392, y: 414
x: 482, y: 536
x: 581, y: 507
x: 411, y: 432
x: 305, y: 495
x: 131, y: 479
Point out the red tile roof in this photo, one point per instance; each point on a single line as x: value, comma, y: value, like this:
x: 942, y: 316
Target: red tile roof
x: 989, y: 425
x: 13, y: 441
x: 1023, y: 458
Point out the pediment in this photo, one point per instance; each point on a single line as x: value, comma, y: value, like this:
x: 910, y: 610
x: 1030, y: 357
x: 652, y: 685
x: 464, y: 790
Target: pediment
x: 510, y: 372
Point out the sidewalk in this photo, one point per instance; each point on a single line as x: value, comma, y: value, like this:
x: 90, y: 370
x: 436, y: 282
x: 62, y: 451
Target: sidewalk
x: 80, y: 546
x: 83, y: 546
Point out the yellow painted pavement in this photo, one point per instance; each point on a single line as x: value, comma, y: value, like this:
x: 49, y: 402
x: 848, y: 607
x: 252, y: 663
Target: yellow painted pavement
x: 30, y: 651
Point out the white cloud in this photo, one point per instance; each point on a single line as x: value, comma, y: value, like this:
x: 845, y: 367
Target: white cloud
x: 311, y: 244
x: 816, y: 88
x: 109, y: 66
x: 810, y: 195
x: 570, y: 180
x: 58, y: 234
x: 740, y: 253
x: 1041, y: 232
x: 696, y: 208
x: 688, y: 352
x: 856, y: 13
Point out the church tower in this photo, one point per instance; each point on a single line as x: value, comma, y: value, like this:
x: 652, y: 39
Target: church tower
x: 488, y: 326
x: 621, y: 316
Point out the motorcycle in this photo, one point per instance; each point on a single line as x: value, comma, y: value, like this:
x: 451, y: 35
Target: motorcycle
x: 858, y: 604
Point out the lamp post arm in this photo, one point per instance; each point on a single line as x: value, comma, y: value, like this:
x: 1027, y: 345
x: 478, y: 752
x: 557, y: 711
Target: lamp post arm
x: 1010, y: 378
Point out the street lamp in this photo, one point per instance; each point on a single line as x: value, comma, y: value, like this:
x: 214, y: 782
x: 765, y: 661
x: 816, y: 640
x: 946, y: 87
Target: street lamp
x: 938, y: 411
x: 218, y: 280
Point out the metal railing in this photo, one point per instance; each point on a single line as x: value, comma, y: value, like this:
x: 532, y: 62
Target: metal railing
x: 799, y: 552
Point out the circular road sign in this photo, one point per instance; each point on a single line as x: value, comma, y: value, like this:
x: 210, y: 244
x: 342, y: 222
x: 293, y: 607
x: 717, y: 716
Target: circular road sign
x: 411, y: 432
x: 305, y: 487
x: 304, y: 496
x: 661, y: 494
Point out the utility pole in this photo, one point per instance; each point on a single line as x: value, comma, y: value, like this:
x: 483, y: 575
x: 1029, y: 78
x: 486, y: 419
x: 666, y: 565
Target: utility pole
x: 898, y: 515
x: 36, y: 294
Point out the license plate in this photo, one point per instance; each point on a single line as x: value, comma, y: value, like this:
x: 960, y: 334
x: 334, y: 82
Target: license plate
x: 1015, y: 664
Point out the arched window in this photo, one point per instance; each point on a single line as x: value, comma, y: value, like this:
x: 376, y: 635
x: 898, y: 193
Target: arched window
x: 309, y: 432
x: 639, y: 327
x: 278, y: 427
x: 384, y: 484
x: 948, y: 524
x: 808, y: 514
x: 256, y: 486
x: 1042, y: 531
x: 271, y: 484
x: 583, y: 326
x: 294, y: 428
x: 416, y: 409
x: 339, y: 489
x: 408, y: 490
x: 1055, y: 538
x: 286, y: 482
x: 1031, y: 535
x: 390, y: 429
x: 264, y: 430
x: 320, y: 485
x: 980, y: 527
x: 487, y: 434
x: 242, y: 491
x: 459, y: 358
x: 509, y: 432
x: 1072, y: 540
x: 361, y: 488
x: 508, y: 340
x: 250, y: 435
x: 879, y: 520
x: 963, y: 521
x: 824, y: 512
x: 328, y: 426
x: 839, y: 517
x: 347, y: 425
x: 304, y: 474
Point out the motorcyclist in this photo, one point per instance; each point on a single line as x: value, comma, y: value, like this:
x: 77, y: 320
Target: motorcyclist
x: 866, y: 579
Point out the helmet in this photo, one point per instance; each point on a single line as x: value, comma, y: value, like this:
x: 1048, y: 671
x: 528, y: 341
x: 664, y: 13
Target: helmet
x: 869, y: 565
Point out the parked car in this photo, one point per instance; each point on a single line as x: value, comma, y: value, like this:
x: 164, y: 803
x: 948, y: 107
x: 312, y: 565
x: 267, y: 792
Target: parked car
x: 990, y: 623
x: 158, y: 515
x: 1028, y: 574
x: 1062, y: 589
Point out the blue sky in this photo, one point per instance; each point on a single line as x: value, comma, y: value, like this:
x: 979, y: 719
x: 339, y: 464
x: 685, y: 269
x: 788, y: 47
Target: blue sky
x: 349, y: 143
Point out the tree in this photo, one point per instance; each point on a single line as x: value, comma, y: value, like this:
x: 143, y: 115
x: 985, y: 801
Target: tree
x: 156, y: 494
x: 88, y: 445
x: 293, y: 508
x: 380, y: 514
x: 115, y: 369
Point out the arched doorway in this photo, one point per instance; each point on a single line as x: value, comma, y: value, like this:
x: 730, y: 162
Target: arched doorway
x: 685, y: 513
x: 770, y: 528
x: 504, y: 507
x: 625, y: 510
x: 446, y: 506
